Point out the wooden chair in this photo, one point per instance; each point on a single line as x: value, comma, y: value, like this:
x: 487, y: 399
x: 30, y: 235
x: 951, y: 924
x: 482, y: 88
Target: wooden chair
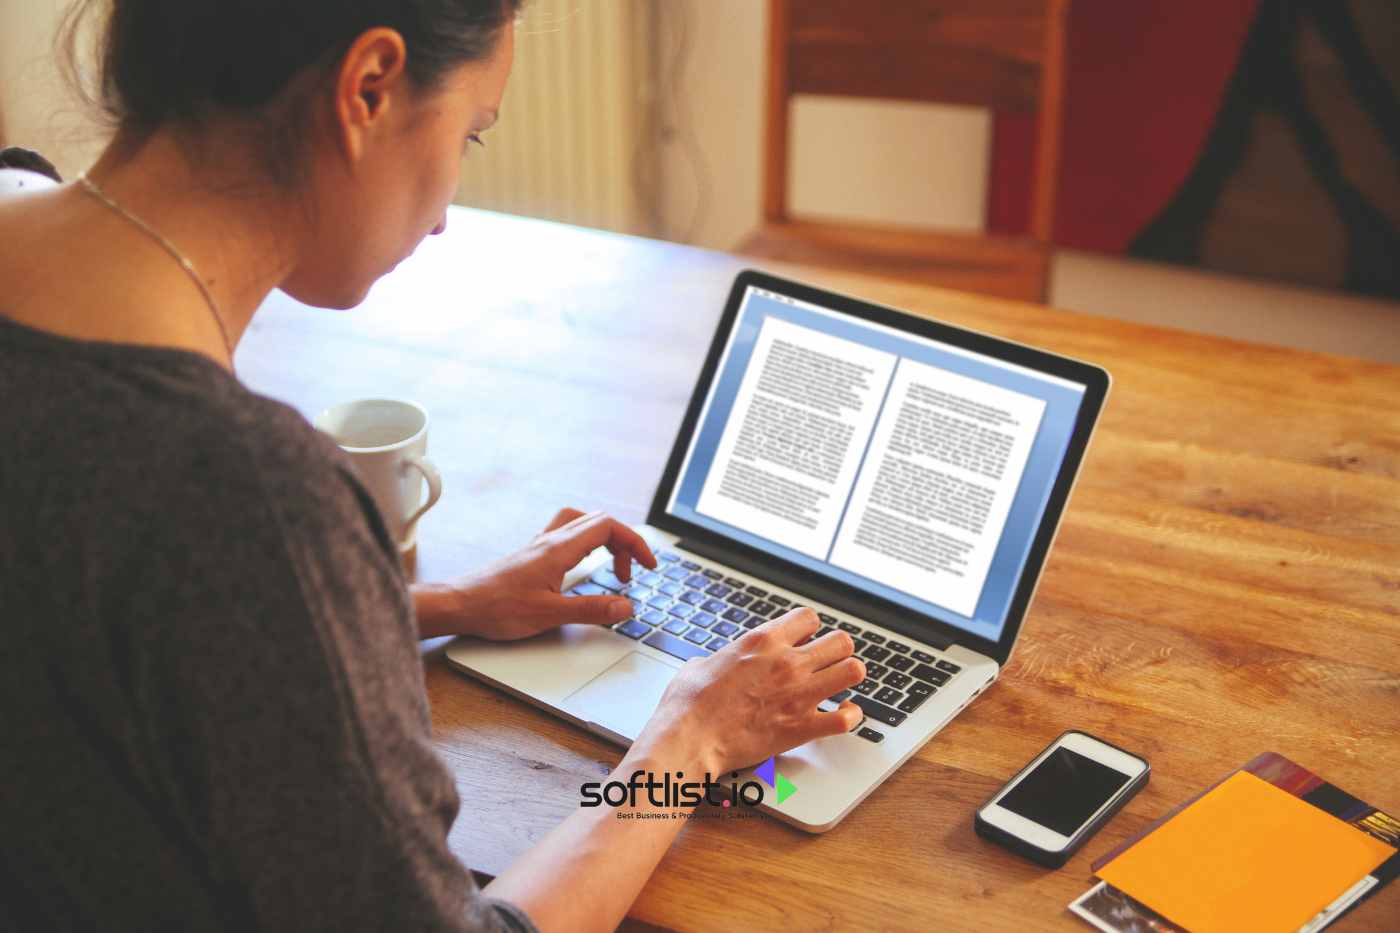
x: 1006, y: 55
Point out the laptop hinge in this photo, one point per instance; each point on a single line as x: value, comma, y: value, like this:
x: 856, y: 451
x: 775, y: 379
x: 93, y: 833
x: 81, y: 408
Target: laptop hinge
x: 907, y: 623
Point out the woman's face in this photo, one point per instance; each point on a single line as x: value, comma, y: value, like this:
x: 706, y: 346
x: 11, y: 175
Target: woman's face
x: 380, y: 189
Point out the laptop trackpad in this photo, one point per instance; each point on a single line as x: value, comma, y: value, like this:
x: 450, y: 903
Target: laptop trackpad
x: 623, y: 697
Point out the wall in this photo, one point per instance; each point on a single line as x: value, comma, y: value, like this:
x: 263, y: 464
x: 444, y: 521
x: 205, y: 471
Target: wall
x: 872, y: 161
x: 37, y: 110
x: 858, y: 161
x: 566, y: 143
x: 909, y: 164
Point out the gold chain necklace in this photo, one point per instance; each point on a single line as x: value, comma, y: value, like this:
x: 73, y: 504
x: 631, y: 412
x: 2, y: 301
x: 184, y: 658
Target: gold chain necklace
x: 91, y: 187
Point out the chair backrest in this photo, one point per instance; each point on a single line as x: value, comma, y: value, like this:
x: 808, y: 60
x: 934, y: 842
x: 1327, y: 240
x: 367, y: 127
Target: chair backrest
x: 1006, y: 55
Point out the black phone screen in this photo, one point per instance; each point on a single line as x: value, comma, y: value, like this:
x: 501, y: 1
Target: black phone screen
x: 1063, y: 791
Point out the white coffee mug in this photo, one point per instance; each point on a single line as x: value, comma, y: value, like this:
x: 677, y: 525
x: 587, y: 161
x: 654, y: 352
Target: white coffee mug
x: 387, y: 442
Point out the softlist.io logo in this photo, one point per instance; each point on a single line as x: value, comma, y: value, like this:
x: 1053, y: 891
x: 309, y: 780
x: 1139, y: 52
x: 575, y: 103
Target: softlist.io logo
x: 667, y: 790
x: 768, y: 774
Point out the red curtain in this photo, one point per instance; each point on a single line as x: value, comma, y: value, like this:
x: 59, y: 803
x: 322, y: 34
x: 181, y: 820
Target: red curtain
x: 1143, y: 83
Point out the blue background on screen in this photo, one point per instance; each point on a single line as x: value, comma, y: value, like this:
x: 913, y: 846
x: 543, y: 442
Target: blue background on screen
x: 1042, y: 466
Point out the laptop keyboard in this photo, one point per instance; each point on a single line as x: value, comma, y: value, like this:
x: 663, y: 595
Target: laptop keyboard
x: 689, y: 610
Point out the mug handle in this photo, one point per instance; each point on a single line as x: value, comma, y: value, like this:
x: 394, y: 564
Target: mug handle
x: 434, y: 479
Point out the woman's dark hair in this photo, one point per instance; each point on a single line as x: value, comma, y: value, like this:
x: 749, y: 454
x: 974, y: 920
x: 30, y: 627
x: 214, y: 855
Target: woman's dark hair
x: 180, y: 61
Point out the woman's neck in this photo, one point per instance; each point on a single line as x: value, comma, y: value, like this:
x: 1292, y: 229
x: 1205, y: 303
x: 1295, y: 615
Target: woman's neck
x: 90, y: 272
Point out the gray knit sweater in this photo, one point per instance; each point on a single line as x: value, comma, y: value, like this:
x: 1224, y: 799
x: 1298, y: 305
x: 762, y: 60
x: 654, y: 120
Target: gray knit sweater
x: 212, y: 713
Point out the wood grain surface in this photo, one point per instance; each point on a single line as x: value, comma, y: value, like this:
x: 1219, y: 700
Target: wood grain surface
x: 1226, y: 580
x: 1002, y: 266
x: 985, y: 53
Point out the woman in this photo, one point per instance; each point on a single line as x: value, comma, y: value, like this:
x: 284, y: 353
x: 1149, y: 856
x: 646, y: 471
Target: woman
x: 213, y: 707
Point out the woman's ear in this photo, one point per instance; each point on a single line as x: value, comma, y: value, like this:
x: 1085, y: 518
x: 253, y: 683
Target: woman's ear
x: 371, y: 81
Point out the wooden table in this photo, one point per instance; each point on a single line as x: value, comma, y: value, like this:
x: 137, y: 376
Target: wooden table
x: 1226, y: 582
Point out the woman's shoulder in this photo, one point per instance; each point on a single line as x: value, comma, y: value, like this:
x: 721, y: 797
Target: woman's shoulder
x: 270, y: 451
x: 153, y: 430
x: 299, y: 467
x: 273, y: 452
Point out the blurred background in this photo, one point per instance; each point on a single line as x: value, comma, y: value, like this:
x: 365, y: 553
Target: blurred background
x: 1229, y: 166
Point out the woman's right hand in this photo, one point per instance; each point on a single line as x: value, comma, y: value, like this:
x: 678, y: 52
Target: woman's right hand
x: 757, y: 697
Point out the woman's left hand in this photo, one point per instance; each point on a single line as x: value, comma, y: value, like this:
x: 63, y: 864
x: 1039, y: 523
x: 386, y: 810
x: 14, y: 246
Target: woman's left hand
x: 519, y: 596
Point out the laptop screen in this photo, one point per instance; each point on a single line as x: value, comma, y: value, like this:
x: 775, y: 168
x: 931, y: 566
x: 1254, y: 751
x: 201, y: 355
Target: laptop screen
x: 905, y: 467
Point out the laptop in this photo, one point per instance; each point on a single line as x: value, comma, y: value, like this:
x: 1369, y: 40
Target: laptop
x: 902, y: 477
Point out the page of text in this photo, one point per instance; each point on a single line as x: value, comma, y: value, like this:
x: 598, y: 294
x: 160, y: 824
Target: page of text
x: 927, y: 512
x: 794, y: 440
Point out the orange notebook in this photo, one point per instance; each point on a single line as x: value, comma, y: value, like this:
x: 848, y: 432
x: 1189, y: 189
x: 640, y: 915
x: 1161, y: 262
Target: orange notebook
x: 1246, y: 856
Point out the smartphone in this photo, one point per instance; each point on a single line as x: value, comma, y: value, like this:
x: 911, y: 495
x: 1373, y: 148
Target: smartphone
x: 1066, y: 793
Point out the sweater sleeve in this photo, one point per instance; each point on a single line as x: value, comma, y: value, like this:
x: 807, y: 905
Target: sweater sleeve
x: 281, y: 689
